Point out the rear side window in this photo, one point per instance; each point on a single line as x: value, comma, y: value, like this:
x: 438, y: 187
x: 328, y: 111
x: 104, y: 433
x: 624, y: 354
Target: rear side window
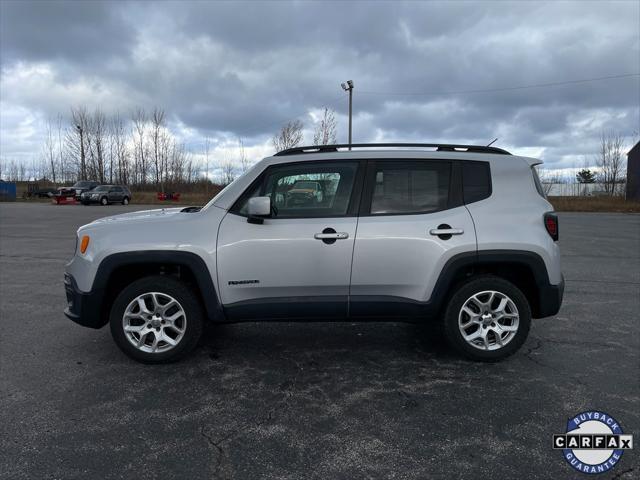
x: 410, y: 187
x: 476, y: 181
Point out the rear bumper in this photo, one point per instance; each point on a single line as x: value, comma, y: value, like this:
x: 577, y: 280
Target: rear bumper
x: 550, y: 299
x: 83, y: 308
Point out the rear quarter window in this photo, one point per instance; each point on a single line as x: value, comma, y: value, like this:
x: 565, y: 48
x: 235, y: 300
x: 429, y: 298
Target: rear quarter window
x: 476, y: 181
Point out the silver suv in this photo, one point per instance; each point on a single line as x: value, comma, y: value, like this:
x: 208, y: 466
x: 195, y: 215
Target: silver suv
x: 401, y: 232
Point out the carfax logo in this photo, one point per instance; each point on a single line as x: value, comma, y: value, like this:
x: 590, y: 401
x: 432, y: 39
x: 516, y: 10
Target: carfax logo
x: 594, y: 442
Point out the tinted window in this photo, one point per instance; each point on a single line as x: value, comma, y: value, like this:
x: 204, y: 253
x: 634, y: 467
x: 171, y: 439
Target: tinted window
x: 306, y: 189
x: 410, y: 187
x: 476, y: 181
x: 102, y: 188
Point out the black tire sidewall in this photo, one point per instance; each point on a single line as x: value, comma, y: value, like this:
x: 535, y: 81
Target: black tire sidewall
x: 173, y: 287
x: 466, y: 290
x: 104, y: 201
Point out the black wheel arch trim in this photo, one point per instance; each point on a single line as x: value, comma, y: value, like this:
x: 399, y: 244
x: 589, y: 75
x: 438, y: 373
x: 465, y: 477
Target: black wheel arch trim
x: 549, y: 295
x: 89, y: 310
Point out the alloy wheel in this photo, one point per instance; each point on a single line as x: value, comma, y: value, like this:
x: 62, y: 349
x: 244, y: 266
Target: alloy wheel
x: 488, y: 320
x: 154, y: 322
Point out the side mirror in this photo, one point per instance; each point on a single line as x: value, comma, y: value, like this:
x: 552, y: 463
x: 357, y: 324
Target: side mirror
x: 258, y: 208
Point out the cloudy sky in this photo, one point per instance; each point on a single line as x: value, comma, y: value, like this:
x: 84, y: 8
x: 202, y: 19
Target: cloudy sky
x: 423, y: 71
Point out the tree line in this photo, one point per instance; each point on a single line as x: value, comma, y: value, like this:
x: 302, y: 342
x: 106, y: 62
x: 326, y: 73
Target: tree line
x: 141, y: 151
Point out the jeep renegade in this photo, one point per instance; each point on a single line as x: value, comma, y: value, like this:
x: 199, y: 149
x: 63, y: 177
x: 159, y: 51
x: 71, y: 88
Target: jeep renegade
x: 387, y: 232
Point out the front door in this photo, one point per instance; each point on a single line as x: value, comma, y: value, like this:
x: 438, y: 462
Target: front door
x: 297, y: 263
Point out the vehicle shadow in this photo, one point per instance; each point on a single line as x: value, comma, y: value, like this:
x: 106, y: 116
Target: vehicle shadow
x: 357, y: 342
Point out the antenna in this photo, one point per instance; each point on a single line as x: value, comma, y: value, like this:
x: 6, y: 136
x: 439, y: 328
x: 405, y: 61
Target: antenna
x: 492, y: 142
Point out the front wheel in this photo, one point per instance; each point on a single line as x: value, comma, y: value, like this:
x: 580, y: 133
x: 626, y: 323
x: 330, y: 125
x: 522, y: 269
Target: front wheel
x: 104, y: 201
x: 156, y: 319
x: 487, y: 319
x: 125, y: 201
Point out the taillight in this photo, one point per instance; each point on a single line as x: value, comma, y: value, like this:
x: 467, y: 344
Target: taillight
x: 551, y: 224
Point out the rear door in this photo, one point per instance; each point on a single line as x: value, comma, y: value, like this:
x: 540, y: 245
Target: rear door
x: 289, y: 265
x: 115, y: 194
x: 412, y: 221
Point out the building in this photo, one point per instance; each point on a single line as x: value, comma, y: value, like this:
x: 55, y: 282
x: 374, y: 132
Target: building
x: 7, y: 191
x: 633, y: 173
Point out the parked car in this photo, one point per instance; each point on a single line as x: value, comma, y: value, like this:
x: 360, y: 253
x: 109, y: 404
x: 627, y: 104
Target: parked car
x: 106, y: 194
x: 78, y: 188
x: 305, y: 192
x: 452, y: 233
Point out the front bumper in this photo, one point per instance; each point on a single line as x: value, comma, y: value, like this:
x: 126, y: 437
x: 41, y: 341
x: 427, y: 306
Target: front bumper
x: 550, y: 299
x: 83, y: 308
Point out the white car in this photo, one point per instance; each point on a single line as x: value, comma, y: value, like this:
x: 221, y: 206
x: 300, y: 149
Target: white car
x: 407, y: 232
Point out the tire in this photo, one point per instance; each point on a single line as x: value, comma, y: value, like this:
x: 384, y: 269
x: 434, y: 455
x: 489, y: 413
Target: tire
x: 187, y: 329
x: 487, y: 324
x: 104, y: 201
x: 125, y: 201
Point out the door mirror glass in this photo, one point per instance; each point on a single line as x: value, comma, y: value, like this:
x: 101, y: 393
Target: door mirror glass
x: 259, y: 207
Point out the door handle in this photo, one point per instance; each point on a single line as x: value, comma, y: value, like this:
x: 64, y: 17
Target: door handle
x: 446, y: 231
x: 331, y: 236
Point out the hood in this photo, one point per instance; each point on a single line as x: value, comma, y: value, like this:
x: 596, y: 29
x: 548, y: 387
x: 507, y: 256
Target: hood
x: 159, y: 214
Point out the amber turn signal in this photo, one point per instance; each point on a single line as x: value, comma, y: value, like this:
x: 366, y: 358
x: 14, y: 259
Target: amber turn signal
x: 84, y: 244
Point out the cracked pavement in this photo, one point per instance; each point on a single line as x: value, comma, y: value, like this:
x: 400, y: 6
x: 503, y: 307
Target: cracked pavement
x: 325, y: 400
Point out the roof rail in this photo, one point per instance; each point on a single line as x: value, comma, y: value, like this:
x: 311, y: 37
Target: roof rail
x: 439, y: 147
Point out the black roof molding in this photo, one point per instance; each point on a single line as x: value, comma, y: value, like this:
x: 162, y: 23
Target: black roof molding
x: 439, y: 147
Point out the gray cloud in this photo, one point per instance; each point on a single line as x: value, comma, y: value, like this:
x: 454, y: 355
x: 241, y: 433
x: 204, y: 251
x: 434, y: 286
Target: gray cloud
x: 242, y: 68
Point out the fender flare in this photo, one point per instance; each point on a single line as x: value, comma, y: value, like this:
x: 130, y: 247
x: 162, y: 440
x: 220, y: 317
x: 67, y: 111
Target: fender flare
x: 190, y: 260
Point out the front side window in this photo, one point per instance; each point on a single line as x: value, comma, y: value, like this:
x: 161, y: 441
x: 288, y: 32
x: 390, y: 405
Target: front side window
x: 307, y: 189
x: 410, y: 187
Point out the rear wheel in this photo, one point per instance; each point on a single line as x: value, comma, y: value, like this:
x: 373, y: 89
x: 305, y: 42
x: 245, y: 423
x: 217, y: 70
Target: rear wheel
x: 487, y: 319
x: 156, y: 319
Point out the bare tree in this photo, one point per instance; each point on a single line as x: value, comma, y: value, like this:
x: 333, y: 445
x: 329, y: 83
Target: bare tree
x: 98, y: 135
x: 244, y: 161
x: 227, y: 170
x: 610, y: 161
x: 120, y: 150
x: 289, y: 136
x: 139, y: 119
x: 326, y: 128
x: 207, y: 146
x: 50, y: 148
x: 548, y: 178
x: 157, y: 124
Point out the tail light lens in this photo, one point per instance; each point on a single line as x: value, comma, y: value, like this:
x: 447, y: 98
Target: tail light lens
x: 551, y: 224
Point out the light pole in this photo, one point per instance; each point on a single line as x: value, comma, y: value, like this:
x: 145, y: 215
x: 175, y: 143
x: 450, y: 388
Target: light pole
x: 348, y: 87
x: 83, y: 168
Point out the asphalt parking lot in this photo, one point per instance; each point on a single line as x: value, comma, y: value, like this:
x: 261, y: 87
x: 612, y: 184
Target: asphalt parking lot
x: 309, y: 400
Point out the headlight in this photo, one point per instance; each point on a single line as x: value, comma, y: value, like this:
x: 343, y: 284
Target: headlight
x: 94, y: 195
